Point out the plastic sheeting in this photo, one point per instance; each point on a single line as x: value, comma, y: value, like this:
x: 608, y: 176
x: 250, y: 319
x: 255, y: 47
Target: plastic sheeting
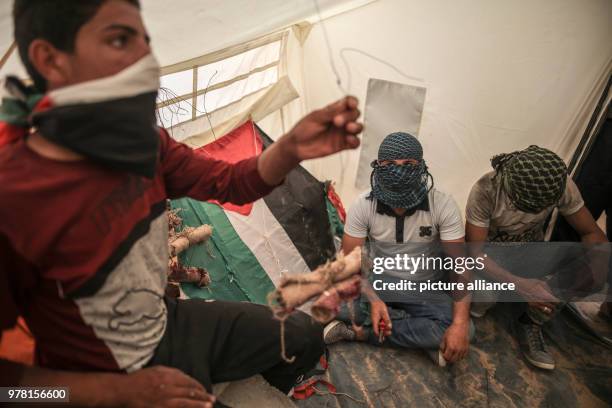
x: 494, y: 374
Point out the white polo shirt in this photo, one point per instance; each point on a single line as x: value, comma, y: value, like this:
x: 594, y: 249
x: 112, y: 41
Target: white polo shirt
x: 422, y: 231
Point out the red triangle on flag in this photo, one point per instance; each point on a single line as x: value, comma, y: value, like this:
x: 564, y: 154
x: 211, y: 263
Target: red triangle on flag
x: 239, y: 144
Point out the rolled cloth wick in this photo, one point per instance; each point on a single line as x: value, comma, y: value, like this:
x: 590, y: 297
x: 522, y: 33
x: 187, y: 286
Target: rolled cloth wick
x: 294, y: 291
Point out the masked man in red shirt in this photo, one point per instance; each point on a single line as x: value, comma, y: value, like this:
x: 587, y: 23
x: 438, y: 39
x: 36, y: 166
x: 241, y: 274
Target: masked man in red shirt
x: 84, y: 177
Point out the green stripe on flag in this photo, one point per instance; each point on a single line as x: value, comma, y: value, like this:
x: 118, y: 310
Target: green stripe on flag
x: 234, y: 271
x: 336, y: 224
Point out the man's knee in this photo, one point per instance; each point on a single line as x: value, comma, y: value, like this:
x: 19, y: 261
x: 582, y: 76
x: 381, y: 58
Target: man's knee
x: 305, y: 337
x: 427, y: 334
x: 439, y: 330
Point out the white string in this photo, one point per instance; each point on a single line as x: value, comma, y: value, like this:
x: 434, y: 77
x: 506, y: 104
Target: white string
x: 176, y: 106
x: 329, y: 49
x: 336, y: 74
x: 344, y: 50
x: 347, y: 90
x: 204, y: 104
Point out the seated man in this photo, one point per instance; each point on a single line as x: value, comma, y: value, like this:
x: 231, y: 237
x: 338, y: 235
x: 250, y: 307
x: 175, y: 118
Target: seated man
x: 402, y: 208
x: 84, y: 178
x: 512, y: 204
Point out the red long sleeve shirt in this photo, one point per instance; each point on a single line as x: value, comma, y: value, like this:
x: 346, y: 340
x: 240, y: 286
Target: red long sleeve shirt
x: 83, y: 249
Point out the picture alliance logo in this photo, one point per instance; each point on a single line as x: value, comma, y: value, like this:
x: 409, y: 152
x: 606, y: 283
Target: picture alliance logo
x: 412, y: 264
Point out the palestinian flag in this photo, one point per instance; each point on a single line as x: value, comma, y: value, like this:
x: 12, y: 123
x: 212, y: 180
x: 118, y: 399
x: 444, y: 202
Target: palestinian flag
x: 289, y: 231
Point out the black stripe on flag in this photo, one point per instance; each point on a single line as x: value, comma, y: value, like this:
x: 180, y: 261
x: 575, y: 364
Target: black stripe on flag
x: 300, y: 208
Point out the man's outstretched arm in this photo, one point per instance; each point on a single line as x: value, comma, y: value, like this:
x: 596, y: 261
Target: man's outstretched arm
x: 320, y: 133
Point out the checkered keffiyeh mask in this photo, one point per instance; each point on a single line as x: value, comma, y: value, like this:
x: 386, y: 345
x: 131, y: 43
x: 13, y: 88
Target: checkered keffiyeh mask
x: 533, y: 178
x: 400, y: 186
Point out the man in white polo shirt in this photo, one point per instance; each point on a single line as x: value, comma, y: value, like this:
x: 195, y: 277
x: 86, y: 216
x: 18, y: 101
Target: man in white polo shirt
x: 404, y: 208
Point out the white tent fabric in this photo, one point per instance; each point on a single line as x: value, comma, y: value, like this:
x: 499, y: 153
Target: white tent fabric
x: 186, y: 29
x: 255, y: 82
x: 389, y: 107
x: 500, y: 76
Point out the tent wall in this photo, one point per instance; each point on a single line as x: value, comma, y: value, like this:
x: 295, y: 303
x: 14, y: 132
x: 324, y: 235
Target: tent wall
x: 500, y: 76
x: 277, y: 100
x: 186, y: 29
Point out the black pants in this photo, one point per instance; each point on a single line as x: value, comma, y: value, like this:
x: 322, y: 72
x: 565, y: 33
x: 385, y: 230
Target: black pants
x: 222, y: 341
x: 595, y: 184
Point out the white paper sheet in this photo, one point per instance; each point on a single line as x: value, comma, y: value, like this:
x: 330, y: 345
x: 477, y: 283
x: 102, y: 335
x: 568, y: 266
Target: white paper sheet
x: 389, y: 107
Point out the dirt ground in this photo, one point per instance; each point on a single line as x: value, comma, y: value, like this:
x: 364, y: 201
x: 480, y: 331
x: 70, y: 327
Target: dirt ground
x: 493, y: 375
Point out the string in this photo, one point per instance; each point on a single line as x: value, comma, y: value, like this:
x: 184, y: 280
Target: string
x: 342, y: 55
x: 345, y: 50
x: 335, y: 394
x: 291, y: 359
x: 204, y: 104
x: 176, y: 106
x: 329, y: 48
x: 173, y: 109
x: 336, y: 74
x: 347, y: 90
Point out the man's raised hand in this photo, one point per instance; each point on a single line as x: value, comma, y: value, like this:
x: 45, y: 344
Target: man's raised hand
x: 320, y: 133
x: 326, y: 131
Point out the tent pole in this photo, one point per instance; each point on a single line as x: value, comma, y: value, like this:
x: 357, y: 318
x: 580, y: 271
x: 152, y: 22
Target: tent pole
x: 583, y: 149
x: 581, y: 152
x: 7, y: 54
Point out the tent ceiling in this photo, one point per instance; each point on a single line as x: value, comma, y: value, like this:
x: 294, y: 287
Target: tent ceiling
x: 185, y: 29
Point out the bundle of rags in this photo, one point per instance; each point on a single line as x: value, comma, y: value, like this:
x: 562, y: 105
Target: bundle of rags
x: 177, y: 243
x: 330, y: 284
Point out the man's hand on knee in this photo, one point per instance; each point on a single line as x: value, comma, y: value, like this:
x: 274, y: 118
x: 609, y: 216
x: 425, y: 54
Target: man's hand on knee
x: 456, y: 342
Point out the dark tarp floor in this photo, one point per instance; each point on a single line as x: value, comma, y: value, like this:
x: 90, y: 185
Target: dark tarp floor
x: 493, y: 374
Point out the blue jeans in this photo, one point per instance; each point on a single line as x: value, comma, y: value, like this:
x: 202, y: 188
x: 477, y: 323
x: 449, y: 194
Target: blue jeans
x: 415, y: 325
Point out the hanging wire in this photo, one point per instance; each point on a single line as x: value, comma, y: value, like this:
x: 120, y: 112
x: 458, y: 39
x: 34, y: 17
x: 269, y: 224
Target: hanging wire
x: 336, y: 74
x: 329, y: 49
x: 347, y: 90
x: 204, y: 104
x: 175, y: 107
x: 345, y: 50
x: 342, y: 55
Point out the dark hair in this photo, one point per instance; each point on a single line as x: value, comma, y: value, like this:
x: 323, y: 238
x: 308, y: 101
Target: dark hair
x: 57, y: 21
